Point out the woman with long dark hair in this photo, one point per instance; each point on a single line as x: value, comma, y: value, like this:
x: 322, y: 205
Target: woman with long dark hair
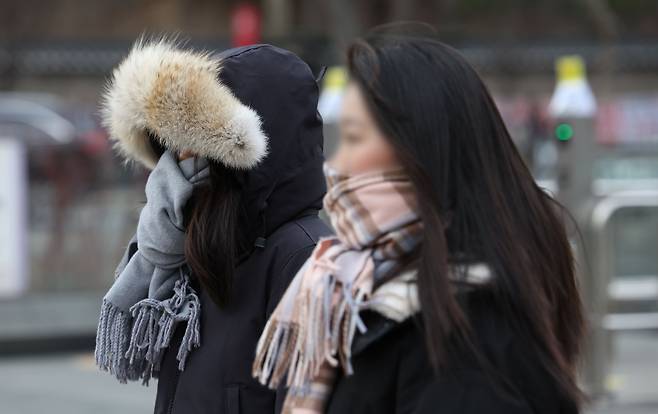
x: 450, y: 285
x: 234, y: 142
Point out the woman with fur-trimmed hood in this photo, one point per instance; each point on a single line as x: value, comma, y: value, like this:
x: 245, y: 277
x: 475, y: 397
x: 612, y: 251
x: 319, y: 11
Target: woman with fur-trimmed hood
x: 234, y: 142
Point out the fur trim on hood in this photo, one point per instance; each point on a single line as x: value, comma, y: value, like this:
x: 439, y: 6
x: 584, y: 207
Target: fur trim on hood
x: 176, y: 95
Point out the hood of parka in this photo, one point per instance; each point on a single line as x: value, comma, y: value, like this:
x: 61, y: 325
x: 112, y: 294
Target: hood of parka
x: 252, y: 108
x: 282, y: 89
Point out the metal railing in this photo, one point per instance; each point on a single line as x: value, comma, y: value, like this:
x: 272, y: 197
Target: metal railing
x: 598, y: 282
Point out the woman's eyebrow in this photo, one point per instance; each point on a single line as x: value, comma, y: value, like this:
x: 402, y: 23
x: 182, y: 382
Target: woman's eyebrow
x: 348, y: 121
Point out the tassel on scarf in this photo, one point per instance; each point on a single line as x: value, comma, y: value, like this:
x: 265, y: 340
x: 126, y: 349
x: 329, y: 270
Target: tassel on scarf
x: 130, y: 345
x: 284, y: 348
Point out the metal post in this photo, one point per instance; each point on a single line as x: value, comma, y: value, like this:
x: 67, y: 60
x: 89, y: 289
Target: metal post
x: 599, y: 346
x: 575, y: 174
x: 573, y: 107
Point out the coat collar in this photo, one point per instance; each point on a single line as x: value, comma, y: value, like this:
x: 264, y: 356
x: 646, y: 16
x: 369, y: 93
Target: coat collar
x: 379, y: 325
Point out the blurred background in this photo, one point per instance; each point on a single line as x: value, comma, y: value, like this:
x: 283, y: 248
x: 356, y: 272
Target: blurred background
x: 575, y: 80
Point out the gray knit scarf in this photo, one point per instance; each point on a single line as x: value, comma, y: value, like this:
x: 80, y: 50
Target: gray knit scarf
x: 151, y: 293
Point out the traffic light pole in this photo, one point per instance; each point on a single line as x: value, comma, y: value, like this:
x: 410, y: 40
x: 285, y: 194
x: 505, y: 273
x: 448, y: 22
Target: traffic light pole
x: 575, y: 174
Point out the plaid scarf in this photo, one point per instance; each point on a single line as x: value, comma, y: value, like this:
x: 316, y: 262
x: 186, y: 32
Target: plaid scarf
x: 309, y: 334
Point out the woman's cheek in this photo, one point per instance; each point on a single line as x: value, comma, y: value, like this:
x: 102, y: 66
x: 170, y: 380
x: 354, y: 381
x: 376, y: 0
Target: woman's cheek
x: 341, y: 158
x: 375, y: 157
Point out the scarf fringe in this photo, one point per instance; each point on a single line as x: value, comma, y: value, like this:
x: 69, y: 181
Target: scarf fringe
x: 130, y: 345
x: 300, y: 352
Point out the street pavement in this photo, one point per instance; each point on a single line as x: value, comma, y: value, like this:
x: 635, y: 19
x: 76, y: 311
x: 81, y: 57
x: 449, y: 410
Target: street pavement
x: 71, y: 384
x: 67, y: 384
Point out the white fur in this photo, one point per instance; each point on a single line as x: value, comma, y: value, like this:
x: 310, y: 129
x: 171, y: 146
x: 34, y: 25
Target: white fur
x: 176, y: 94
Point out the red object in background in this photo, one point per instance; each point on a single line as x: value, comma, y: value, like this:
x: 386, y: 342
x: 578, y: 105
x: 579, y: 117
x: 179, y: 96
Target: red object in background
x: 245, y: 25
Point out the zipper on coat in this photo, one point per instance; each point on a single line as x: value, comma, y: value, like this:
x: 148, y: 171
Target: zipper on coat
x: 170, y: 409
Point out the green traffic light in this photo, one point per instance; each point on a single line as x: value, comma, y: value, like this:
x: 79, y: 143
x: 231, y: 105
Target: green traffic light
x: 564, y: 132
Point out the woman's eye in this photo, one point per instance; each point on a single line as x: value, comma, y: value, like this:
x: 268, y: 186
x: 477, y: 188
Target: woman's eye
x: 351, y: 138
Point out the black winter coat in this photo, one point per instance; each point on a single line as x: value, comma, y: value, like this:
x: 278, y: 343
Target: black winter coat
x: 392, y: 372
x: 280, y: 199
x: 217, y: 378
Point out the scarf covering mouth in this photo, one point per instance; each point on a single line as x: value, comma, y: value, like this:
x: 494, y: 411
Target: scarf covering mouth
x: 151, y: 292
x: 309, y: 334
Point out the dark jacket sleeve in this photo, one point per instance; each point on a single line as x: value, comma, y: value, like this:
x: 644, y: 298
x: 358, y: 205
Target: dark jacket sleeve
x: 281, y: 279
x: 280, y: 282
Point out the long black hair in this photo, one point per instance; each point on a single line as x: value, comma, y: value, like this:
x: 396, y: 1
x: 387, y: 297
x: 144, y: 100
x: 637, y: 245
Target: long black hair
x: 476, y: 197
x: 213, y: 244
